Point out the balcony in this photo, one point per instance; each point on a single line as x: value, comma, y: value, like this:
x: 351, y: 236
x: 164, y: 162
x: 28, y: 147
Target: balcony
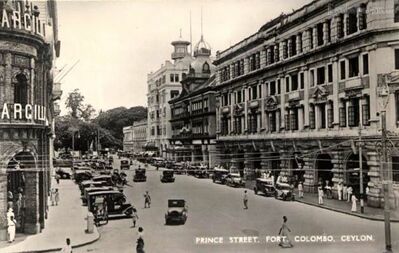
x: 57, y: 92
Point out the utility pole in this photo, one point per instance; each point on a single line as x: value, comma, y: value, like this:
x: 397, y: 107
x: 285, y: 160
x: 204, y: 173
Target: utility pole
x: 361, y: 169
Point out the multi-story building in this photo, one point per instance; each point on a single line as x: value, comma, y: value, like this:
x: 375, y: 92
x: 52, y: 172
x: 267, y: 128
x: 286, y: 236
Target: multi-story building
x: 139, y: 135
x: 295, y: 96
x: 128, y: 136
x: 28, y: 48
x: 163, y: 85
x: 193, y: 112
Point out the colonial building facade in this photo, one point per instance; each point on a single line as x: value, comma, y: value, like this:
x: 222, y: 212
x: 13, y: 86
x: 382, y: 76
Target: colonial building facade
x: 28, y: 47
x: 296, y: 96
x: 163, y: 85
x: 128, y: 138
x: 135, y: 136
x: 193, y: 112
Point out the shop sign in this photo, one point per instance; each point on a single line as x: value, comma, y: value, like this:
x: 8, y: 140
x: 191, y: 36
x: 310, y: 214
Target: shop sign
x: 23, y: 112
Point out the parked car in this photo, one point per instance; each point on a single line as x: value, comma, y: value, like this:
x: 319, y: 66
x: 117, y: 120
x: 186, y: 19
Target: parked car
x: 177, y: 211
x: 201, y: 171
x: 89, y: 183
x: 178, y: 167
x: 64, y: 173
x: 167, y: 176
x: 264, y: 185
x: 125, y: 164
x: 219, y: 175
x: 139, y: 175
x: 106, y: 179
x: 81, y: 175
x: 88, y: 190
x: 158, y: 162
x: 235, y: 180
x: 284, y: 191
x: 114, y: 202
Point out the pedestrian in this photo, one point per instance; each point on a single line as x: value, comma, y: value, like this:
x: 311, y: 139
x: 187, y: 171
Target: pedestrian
x: 285, y: 241
x: 52, y: 196
x: 135, y: 217
x: 245, y: 200
x: 11, y: 223
x: 344, y: 192
x: 300, y: 189
x: 339, y: 189
x: 57, y: 178
x: 67, y: 248
x: 321, y: 194
x: 354, y: 200
x: 349, y: 192
x: 147, y: 200
x: 140, y: 241
x: 56, y: 197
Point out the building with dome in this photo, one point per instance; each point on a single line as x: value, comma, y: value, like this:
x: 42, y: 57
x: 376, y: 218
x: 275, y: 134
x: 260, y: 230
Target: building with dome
x: 193, y: 119
x: 163, y: 85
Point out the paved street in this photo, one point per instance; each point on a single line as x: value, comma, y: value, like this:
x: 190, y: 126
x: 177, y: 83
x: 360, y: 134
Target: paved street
x: 216, y: 211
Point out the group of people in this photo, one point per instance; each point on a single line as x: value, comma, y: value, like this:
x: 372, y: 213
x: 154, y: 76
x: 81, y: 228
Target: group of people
x: 135, y: 217
x: 54, y: 196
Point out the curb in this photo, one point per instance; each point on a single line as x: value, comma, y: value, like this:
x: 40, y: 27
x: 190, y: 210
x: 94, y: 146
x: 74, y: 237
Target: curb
x: 345, y: 212
x: 58, y: 249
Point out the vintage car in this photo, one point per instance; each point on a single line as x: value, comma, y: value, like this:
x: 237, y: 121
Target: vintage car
x: 219, y: 175
x: 139, y: 175
x: 88, y: 190
x: 177, y: 211
x: 234, y: 180
x: 265, y: 186
x: 125, y: 164
x: 201, y: 171
x: 64, y: 173
x: 90, y: 183
x: 179, y: 168
x: 284, y: 191
x: 113, y: 202
x: 158, y: 162
x: 82, y: 175
x: 107, y: 179
x: 167, y: 176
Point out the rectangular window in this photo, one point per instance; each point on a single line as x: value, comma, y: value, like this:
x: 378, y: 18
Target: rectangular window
x: 396, y: 14
x: 365, y: 64
x: 287, y: 121
x: 287, y: 84
x: 172, y: 78
x: 321, y: 79
x: 294, y: 82
x: 351, y: 22
x: 320, y: 40
x: 322, y: 108
x: 397, y: 58
x: 330, y: 73
x: 353, y: 66
x: 260, y: 91
x: 330, y: 116
x: 366, y: 114
x: 272, y: 88
x: 272, y: 122
x: 351, y: 116
x: 342, y: 117
x: 177, y: 78
x: 310, y: 38
x: 395, y: 168
x: 239, y: 97
x: 311, y: 77
x: 302, y: 77
x: 328, y: 30
x: 254, y: 92
x: 294, y: 119
x: 293, y: 43
x: 312, y: 120
x: 278, y: 86
x: 342, y: 70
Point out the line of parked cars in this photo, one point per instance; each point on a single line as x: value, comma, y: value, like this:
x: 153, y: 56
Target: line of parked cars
x: 279, y: 190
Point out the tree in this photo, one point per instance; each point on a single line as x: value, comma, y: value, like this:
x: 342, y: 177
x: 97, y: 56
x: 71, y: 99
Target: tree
x: 74, y: 102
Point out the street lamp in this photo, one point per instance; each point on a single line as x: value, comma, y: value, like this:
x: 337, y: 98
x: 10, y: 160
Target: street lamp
x: 384, y: 95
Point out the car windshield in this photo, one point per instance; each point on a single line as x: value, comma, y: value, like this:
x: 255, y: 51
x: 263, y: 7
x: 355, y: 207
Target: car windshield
x: 176, y: 203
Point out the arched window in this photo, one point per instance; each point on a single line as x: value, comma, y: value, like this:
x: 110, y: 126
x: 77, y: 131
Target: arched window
x: 205, y: 68
x: 21, y: 89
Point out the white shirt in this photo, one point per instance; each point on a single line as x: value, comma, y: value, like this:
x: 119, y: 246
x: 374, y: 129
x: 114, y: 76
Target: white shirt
x: 66, y: 249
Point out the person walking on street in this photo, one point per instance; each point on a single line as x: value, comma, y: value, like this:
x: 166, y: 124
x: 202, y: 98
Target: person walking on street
x: 147, y: 200
x: 68, y: 247
x: 320, y: 193
x: 284, y: 230
x: 344, y: 192
x: 300, y: 189
x: 140, y: 241
x: 57, y: 178
x: 56, y: 197
x: 135, y: 217
x: 354, y: 200
x: 11, y: 223
x: 339, y: 189
x: 245, y: 200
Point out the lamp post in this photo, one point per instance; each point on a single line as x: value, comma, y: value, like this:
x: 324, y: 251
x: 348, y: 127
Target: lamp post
x: 361, y: 169
x: 384, y: 94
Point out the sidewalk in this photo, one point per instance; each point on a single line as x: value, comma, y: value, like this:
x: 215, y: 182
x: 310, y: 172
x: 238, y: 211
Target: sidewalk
x: 65, y: 220
x: 370, y: 213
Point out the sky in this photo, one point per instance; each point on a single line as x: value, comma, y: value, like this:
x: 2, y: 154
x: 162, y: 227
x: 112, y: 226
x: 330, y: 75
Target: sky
x: 117, y: 43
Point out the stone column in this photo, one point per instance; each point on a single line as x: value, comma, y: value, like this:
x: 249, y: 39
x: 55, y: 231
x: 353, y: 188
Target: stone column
x: 246, y: 110
x: 335, y: 89
x: 298, y: 43
x: 306, y: 96
x: 262, y: 58
x: 8, y: 86
x: 310, y: 184
x: 32, y: 225
x: 376, y: 195
x: 337, y: 170
x: 300, y: 118
x: 282, y: 101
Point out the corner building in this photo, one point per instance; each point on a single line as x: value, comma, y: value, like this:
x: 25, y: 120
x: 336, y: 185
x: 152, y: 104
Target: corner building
x: 293, y: 97
x: 28, y: 48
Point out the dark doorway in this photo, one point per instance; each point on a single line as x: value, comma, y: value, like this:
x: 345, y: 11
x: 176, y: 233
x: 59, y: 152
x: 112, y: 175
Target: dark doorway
x: 353, y: 173
x: 324, y: 169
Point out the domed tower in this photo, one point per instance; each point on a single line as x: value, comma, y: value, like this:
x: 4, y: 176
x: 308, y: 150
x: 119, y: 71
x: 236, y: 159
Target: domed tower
x: 202, y: 48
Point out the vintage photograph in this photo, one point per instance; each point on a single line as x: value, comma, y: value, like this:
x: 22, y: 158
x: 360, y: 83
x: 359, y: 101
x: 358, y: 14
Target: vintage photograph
x: 199, y: 126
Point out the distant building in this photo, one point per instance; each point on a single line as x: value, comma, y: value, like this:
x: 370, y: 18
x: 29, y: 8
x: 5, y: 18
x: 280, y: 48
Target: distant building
x: 128, y: 138
x: 28, y: 50
x: 163, y: 85
x: 193, y: 118
x: 139, y: 135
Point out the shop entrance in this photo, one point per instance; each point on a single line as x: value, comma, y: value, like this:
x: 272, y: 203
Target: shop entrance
x: 324, y: 169
x: 353, y: 173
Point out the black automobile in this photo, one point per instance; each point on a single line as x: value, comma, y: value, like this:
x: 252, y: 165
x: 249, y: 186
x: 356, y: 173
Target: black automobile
x: 177, y: 211
x: 107, y: 179
x: 167, y: 176
x: 125, y: 164
x: 114, y: 202
x: 179, y: 168
x: 284, y: 191
x: 219, y: 175
x: 139, y: 175
x: 90, y: 183
x: 64, y: 173
x: 234, y: 180
x: 82, y: 175
x: 265, y: 186
x: 201, y: 171
x: 88, y: 190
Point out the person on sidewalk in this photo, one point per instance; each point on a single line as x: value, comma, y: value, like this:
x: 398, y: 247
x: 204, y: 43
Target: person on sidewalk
x: 300, y: 189
x: 284, y: 230
x: 339, y: 189
x: 349, y: 192
x: 140, y: 241
x: 354, y: 200
x: 57, y: 178
x: 147, y: 200
x: 344, y: 192
x: 320, y: 194
x: 135, y: 217
x: 56, y: 197
x: 52, y: 196
x: 245, y: 200
x: 11, y: 223
x: 68, y: 247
